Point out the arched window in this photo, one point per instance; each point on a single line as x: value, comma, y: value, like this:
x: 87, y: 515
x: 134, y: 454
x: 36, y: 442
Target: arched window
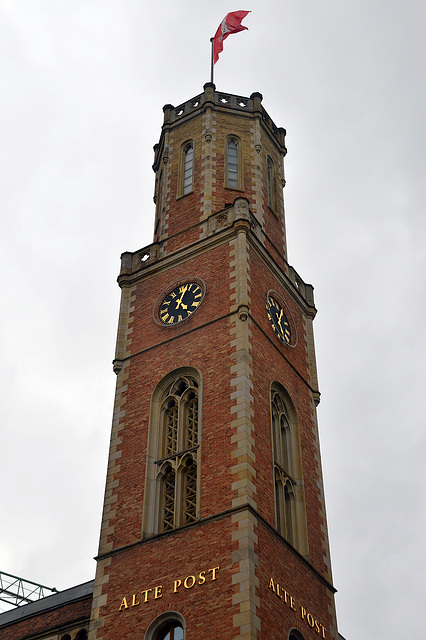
x: 173, y: 470
x: 188, y: 168
x: 295, y: 635
x: 289, y: 500
x: 233, y: 163
x: 168, y: 626
x: 270, y: 178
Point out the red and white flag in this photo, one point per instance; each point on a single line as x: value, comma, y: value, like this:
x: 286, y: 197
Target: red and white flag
x: 230, y: 24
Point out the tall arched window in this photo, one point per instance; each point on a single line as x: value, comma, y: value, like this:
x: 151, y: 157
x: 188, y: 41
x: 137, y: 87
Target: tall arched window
x: 233, y: 163
x: 188, y: 168
x: 289, y: 501
x: 270, y: 178
x: 173, y: 469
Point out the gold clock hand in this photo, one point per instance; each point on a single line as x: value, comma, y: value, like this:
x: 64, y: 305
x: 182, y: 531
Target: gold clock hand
x: 179, y: 301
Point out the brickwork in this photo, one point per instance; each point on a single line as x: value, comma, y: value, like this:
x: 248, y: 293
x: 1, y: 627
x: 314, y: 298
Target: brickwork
x: 53, y: 624
x: 209, y: 130
x: 227, y: 573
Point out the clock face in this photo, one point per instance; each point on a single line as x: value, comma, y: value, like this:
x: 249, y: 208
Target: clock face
x: 278, y: 320
x: 180, y: 303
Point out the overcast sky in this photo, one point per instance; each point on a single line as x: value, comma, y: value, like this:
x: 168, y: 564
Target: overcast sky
x: 83, y: 84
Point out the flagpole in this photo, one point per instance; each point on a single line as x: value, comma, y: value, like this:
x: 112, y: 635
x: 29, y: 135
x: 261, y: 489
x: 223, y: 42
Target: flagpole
x: 211, y: 63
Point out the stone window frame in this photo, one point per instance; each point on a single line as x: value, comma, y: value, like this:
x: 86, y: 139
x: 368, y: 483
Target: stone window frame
x: 160, y: 462
x: 160, y: 624
x: 235, y: 139
x: 289, y: 500
x: 183, y: 190
x: 271, y: 190
x: 294, y: 634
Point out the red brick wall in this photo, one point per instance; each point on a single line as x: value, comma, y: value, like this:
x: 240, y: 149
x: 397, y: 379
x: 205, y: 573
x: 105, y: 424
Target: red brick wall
x: 205, y: 341
x: 73, y: 613
x: 206, y: 607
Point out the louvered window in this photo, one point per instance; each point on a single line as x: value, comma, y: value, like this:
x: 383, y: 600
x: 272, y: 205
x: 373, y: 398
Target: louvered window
x: 188, y: 169
x: 232, y: 164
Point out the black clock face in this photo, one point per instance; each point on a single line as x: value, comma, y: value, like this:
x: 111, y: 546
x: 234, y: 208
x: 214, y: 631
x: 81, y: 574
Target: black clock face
x: 278, y: 320
x: 180, y: 303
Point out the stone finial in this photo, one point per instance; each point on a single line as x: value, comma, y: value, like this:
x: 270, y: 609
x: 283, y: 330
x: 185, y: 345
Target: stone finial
x: 241, y: 208
x: 209, y: 89
x: 167, y: 110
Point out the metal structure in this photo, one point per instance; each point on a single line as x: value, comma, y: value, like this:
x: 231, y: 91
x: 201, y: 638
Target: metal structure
x: 16, y: 591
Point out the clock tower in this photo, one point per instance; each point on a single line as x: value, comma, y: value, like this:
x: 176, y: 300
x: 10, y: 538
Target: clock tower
x: 214, y: 522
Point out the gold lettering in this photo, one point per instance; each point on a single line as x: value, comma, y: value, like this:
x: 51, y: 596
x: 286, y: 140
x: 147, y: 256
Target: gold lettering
x: 214, y: 572
x: 323, y: 630
x: 146, y: 594
x: 310, y: 620
x: 271, y: 585
x: 157, y: 592
x: 285, y: 596
x: 186, y: 584
x: 170, y: 321
x: 180, y: 318
x: 317, y: 629
x: 278, y: 591
x: 201, y: 577
x: 292, y: 603
x: 303, y: 612
x: 176, y: 585
x: 123, y: 604
x: 173, y: 294
x: 165, y: 316
x: 134, y: 603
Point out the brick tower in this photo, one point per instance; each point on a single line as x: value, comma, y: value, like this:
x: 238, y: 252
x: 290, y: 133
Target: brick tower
x: 214, y: 522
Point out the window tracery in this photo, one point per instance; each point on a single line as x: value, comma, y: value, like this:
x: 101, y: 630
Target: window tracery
x: 173, y: 470
x: 289, y: 501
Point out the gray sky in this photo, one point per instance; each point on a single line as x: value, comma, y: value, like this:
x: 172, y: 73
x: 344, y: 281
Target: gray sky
x: 82, y: 90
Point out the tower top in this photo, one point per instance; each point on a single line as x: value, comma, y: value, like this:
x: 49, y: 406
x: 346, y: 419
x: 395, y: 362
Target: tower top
x: 213, y: 149
x: 219, y: 100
